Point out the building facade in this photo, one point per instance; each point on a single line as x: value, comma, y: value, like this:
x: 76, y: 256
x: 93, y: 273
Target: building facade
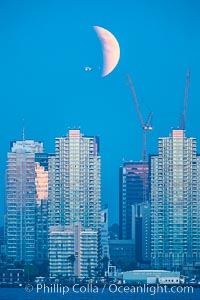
x: 21, y: 200
x: 104, y: 234
x: 104, y: 253
x: 73, y: 251
x: 175, y: 202
x: 41, y: 181
x: 122, y: 254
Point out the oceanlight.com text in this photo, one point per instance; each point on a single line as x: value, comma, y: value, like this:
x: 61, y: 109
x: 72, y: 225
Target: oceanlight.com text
x: 150, y: 289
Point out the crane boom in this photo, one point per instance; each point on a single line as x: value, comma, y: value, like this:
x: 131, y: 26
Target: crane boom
x: 135, y: 100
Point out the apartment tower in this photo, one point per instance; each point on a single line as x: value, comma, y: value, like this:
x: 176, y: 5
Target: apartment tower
x: 74, y: 193
x: 175, y: 202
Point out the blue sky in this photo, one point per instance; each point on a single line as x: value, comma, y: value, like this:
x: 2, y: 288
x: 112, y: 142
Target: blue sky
x: 44, y: 47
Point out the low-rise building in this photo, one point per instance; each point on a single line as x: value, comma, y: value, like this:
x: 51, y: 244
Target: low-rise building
x: 151, y: 277
x: 73, y: 251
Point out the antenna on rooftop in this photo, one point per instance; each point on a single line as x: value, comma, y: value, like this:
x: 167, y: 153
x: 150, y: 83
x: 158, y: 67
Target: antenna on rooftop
x: 183, y: 115
x: 23, y: 131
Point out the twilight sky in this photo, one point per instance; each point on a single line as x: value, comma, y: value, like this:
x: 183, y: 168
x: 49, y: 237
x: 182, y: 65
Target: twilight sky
x: 44, y: 47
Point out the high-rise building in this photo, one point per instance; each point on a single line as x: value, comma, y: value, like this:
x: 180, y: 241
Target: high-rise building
x: 21, y: 200
x: 175, y: 202
x: 75, y: 181
x: 134, y: 218
x: 74, y: 197
x: 133, y: 189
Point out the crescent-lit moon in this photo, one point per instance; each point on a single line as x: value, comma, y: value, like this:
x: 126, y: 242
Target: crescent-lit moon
x: 111, y: 50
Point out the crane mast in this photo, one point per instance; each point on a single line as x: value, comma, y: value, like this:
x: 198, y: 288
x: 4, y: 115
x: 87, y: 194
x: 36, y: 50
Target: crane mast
x: 145, y: 126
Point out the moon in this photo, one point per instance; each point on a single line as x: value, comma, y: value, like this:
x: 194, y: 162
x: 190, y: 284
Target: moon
x: 111, y: 49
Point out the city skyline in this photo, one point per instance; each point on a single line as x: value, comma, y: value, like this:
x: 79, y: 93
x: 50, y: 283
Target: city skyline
x: 44, y: 49
x: 59, y: 195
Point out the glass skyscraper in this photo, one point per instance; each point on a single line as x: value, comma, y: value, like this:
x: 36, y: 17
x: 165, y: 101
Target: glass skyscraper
x: 21, y: 200
x: 134, y: 207
x: 175, y: 202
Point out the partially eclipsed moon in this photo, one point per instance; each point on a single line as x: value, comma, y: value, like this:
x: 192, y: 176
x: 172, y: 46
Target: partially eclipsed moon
x: 110, y: 47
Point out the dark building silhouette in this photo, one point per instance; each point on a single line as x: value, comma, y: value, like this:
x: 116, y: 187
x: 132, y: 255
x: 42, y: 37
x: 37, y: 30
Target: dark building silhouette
x: 134, y: 218
x: 133, y: 189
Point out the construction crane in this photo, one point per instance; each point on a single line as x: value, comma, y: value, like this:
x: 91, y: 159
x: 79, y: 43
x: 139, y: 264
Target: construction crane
x: 145, y: 126
x: 183, y: 115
